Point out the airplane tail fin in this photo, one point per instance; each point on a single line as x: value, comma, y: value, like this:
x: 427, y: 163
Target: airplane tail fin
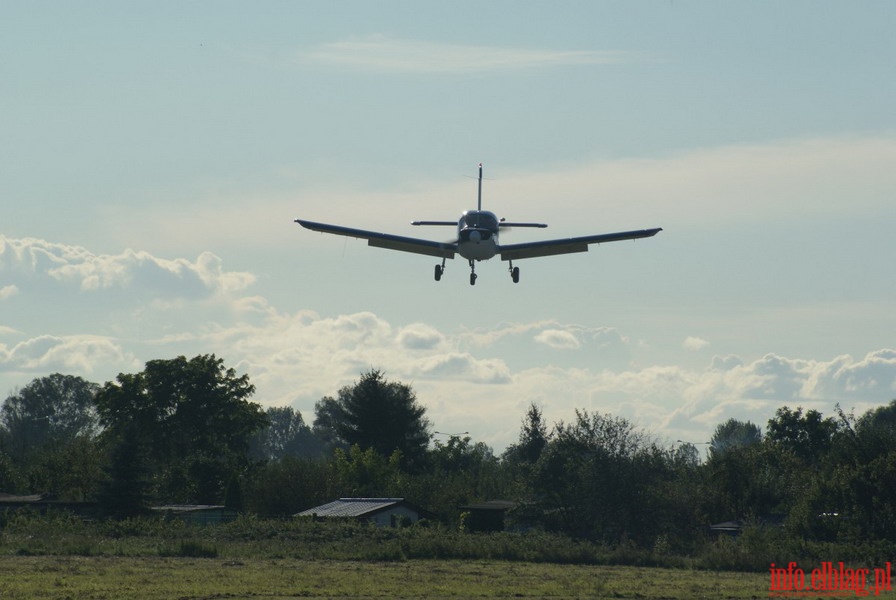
x: 479, y: 201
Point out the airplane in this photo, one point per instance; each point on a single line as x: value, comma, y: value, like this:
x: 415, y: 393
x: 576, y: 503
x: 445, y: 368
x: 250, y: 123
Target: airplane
x: 477, y: 240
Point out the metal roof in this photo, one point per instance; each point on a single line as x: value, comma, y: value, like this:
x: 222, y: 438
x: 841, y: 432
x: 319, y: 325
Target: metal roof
x: 351, y: 507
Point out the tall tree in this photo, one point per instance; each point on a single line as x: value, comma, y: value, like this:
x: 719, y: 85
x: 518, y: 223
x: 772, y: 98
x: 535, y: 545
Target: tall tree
x: 378, y: 414
x: 286, y: 434
x: 10, y: 482
x: 733, y: 434
x: 193, y: 417
x: 594, y: 474
x: 328, y: 413
x: 533, y: 438
x: 49, y: 411
x: 807, y: 435
x: 126, y: 490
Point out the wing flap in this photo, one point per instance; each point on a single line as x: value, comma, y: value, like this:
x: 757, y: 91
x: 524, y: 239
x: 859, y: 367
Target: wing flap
x: 386, y: 240
x: 570, y: 245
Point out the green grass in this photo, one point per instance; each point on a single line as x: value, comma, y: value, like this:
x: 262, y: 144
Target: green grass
x: 55, y: 577
x: 59, y: 556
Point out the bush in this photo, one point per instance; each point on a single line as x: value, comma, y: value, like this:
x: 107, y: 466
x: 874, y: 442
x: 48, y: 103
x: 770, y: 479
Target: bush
x: 189, y: 549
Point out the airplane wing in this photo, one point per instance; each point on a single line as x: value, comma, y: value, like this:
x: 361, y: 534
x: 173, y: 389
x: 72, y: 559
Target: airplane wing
x: 567, y: 246
x: 385, y: 240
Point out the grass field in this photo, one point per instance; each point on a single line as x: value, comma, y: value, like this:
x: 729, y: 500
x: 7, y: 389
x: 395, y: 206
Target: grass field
x: 82, y: 578
x: 59, y: 556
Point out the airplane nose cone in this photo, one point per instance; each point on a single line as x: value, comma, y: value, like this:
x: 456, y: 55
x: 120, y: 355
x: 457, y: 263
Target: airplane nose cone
x: 475, y: 236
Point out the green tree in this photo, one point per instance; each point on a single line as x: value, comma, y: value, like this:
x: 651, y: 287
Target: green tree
x: 285, y: 434
x: 807, y: 436
x: 753, y: 481
x: 380, y: 415
x: 10, y: 481
x: 367, y: 473
x: 734, y: 434
x: 289, y: 485
x: 51, y: 412
x: 533, y: 438
x: 875, y: 432
x: 194, y: 419
x: 125, y: 492
x: 459, y: 472
x: 49, y: 429
x: 328, y: 413
x: 593, y: 476
x: 855, y: 500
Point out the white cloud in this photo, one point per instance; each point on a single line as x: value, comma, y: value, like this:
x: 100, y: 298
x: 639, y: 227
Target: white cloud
x: 85, y: 355
x: 31, y: 258
x: 419, y: 336
x: 8, y: 291
x: 694, y: 343
x: 298, y: 358
x: 725, y: 363
x: 462, y: 366
x: 381, y: 53
x: 873, y: 375
x: 557, y: 339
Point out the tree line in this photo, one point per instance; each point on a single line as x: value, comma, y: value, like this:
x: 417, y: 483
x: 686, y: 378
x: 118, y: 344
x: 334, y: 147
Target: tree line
x: 185, y: 431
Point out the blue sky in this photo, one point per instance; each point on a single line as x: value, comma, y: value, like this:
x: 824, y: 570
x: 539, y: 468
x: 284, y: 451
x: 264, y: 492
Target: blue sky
x: 155, y: 155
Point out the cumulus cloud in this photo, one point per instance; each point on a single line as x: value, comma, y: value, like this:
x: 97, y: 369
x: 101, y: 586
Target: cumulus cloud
x: 8, y: 291
x: 558, y: 339
x: 694, y: 343
x: 31, y: 258
x: 419, y: 336
x: 87, y: 355
x: 382, y: 53
x: 298, y: 358
x: 725, y: 363
x: 873, y: 375
x: 462, y: 366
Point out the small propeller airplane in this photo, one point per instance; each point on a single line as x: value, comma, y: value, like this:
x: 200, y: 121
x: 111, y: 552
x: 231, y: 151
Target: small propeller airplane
x: 477, y: 240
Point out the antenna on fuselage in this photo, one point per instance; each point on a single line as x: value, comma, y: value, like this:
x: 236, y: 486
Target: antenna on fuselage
x: 479, y: 203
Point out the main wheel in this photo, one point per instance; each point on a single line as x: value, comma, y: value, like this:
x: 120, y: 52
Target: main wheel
x: 472, y: 278
x: 438, y: 273
x: 515, y: 274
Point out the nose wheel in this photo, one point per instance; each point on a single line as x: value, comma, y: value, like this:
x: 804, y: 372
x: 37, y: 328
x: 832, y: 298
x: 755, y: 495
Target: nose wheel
x: 472, y: 273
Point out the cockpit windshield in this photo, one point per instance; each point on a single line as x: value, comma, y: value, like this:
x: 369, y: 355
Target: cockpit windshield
x: 480, y: 219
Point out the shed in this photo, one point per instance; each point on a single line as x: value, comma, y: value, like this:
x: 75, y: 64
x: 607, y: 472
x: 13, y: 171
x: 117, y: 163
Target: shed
x: 487, y: 516
x: 383, y: 512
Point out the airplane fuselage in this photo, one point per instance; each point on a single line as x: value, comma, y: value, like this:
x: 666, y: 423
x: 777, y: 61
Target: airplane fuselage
x: 477, y: 235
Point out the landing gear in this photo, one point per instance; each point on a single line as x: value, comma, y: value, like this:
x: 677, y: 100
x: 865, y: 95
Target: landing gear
x: 439, y: 270
x: 514, y: 273
x: 472, y: 273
